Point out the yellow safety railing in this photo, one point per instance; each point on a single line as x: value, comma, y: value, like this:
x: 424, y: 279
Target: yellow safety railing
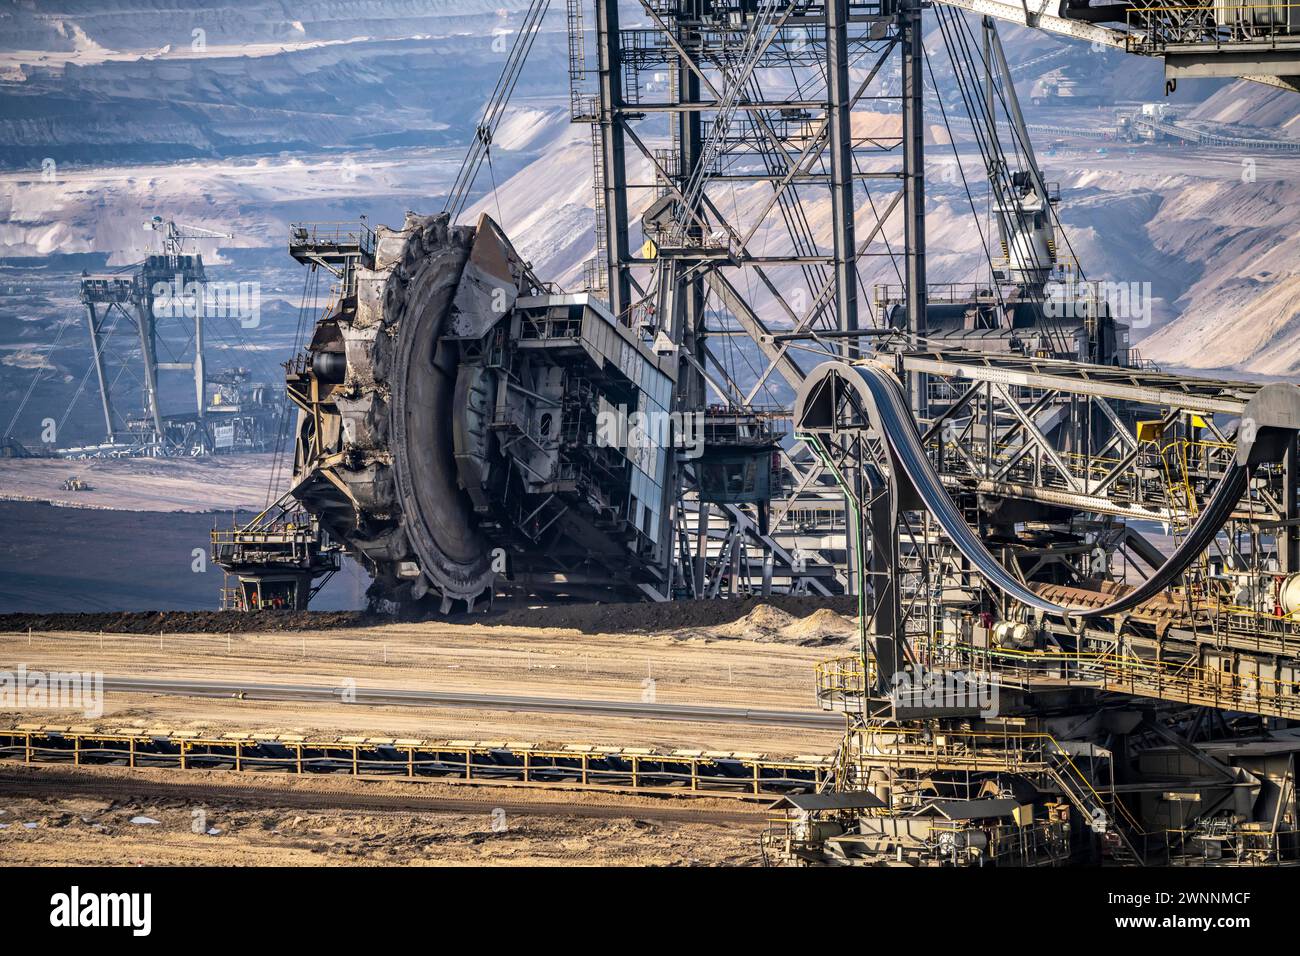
x: 1052, y: 757
x: 842, y: 678
x: 842, y: 675
x: 1186, y: 681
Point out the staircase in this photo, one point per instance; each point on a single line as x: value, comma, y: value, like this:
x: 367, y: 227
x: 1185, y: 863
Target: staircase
x: 1121, y: 834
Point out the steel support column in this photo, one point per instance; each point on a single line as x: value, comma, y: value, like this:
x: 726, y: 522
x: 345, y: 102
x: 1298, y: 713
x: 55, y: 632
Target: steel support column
x: 97, y: 351
x: 1288, y: 536
x: 839, y: 121
x: 200, y: 381
x: 610, y: 62
x: 884, y: 623
x: 144, y: 310
x: 691, y: 294
x: 914, y: 181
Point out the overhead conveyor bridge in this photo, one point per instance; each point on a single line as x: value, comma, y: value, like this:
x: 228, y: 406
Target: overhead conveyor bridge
x: 1274, y: 414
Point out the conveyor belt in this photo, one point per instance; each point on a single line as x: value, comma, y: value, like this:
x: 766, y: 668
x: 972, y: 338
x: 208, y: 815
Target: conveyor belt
x: 505, y: 763
x: 899, y: 429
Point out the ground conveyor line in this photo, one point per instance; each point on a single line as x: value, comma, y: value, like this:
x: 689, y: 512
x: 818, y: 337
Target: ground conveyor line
x: 586, y: 767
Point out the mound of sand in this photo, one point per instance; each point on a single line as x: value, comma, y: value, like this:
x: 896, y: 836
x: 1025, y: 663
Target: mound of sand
x: 764, y: 622
x: 704, y: 618
x: 822, y: 626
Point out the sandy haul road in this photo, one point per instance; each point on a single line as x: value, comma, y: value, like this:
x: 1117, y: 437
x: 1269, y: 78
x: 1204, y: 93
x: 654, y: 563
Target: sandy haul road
x: 705, y: 666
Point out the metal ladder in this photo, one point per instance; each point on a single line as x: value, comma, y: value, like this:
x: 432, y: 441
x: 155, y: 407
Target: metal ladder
x: 583, y: 108
x: 1091, y: 805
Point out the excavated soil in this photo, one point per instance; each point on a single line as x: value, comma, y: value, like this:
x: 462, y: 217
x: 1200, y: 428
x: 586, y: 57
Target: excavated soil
x: 663, y: 618
x: 748, y: 617
x: 769, y: 624
x: 187, y: 622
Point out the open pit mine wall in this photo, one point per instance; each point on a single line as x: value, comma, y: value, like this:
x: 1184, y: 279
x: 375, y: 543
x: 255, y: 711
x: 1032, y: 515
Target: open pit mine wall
x: 177, y: 80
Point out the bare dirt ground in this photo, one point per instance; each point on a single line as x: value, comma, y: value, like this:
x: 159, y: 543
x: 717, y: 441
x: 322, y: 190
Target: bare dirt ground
x: 93, y: 831
x: 763, y: 659
x: 765, y: 669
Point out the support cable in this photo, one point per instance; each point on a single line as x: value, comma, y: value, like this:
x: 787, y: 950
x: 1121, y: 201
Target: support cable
x: 495, y: 109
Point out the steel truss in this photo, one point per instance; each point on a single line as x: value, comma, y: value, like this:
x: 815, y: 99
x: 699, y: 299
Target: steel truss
x: 133, y: 296
x: 740, y: 113
x: 1054, y: 462
x: 1159, y: 444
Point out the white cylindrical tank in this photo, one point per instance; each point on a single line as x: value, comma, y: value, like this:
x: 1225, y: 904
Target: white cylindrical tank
x: 1013, y: 634
x: 1288, y: 594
